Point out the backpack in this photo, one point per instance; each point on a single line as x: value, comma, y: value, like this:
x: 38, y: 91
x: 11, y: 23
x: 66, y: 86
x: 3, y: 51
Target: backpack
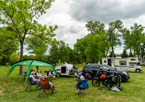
x: 103, y: 76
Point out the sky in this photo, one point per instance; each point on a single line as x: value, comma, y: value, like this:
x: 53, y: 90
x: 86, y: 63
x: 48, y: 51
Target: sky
x: 71, y: 16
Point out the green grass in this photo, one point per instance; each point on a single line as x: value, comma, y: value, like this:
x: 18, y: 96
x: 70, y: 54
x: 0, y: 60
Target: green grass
x: 133, y: 90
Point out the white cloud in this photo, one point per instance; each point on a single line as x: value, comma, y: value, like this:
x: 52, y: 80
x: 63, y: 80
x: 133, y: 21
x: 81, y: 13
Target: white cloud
x: 72, y: 15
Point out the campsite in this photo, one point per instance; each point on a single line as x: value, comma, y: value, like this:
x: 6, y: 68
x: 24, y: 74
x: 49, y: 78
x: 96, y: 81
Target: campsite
x: 133, y: 90
x: 63, y: 47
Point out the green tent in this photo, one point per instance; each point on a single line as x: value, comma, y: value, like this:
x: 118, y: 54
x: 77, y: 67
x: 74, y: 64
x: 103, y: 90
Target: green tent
x: 31, y: 64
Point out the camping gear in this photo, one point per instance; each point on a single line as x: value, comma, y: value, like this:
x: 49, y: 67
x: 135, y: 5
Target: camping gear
x: 31, y: 64
x: 82, y: 90
x: 116, y: 89
x: 111, y: 80
x: 28, y: 88
x: 45, y: 87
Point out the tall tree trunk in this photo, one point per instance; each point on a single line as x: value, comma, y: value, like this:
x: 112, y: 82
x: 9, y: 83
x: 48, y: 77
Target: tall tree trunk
x: 134, y: 53
x: 112, y: 50
x: 130, y: 52
x: 21, y: 57
x: 113, y: 53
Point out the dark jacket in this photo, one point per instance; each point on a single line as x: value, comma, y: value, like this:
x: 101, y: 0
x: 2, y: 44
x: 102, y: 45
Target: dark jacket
x: 48, y: 73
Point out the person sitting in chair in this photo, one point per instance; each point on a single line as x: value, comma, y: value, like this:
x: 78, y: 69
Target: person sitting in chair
x: 50, y: 74
x: 39, y: 76
x: 80, y: 74
x: 86, y: 76
x: 51, y: 86
x: 79, y: 83
x: 33, y: 80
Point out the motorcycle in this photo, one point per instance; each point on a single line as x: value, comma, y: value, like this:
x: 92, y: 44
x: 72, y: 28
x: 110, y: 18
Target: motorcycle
x: 111, y: 79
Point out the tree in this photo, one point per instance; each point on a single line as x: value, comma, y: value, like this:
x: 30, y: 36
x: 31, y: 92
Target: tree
x: 133, y: 38
x: 136, y: 38
x: 60, y: 51
x: 113, y: 35
x: 131, y: 54
x: 93, y: 49
x: 38, y: 47
x: 14, y: 57
x: 25, y: 57
x: 8, y: 44
x: 124, y: 54
x: 22, y: 15
x: 98, y: 28
x: 127, y: 39
x: 95, y: 26
x: 80, y: 47
x: 111, y: 54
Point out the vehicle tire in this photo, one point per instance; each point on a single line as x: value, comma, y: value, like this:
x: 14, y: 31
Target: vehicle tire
x: 90, y: 76
x: 138, y: 70
x: 118, y: 83
x: 120, y: 78
x: 58, y: 74
x: 95, y: 82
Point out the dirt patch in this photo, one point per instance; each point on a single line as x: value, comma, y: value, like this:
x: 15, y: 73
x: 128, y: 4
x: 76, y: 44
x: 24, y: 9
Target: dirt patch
x: 1, y: 91
x: 7, y: 92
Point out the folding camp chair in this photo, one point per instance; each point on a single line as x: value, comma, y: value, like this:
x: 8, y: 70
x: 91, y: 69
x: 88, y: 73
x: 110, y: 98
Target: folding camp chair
x: 45, y: 86
x: 28, y: 88
x: 83, y: 89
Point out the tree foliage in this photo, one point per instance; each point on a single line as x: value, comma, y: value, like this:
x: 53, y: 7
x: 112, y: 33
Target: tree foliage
x: 133, y: 38
x: 124, y: 54
x: 63, y: 52
x: 14, y: 57
x: 38, y: 47
x: 22, y: 15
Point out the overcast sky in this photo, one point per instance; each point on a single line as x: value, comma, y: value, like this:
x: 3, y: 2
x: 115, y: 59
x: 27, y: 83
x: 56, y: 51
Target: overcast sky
x: 72, y: 15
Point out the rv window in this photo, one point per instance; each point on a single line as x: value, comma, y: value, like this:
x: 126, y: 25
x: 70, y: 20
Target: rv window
x: 104, y: 61
x: 131, y: 64
x: 122, y: 62
x: 132, y: 59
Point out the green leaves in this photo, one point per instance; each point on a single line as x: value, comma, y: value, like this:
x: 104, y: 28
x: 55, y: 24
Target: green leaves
x: 14, y: 57
x: 133, y: 38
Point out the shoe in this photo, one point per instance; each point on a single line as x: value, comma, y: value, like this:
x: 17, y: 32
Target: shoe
x: 39, y: 88
x: 54, y: 89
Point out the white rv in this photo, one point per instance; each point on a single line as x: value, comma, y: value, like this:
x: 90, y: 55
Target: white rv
x: 124, y: 64
x: 65, y: 69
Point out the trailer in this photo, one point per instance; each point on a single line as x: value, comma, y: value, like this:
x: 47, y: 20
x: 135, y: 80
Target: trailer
x: 124, y: 64
x: 65, y: 69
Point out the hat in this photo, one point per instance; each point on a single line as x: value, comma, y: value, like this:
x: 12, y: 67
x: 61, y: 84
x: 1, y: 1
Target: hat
x: 86, y: 74
x: 82, y: 78
x: 49, y: 69
x: 32, y: 72
x: 45, y: 77
x: 81, y: 70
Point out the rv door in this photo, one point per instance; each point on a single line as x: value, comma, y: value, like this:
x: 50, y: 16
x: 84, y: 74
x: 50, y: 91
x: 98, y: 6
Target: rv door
x: 109, y: 62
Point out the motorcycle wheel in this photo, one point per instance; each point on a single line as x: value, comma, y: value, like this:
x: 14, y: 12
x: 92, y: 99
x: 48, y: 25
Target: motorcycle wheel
x: 95, y: 82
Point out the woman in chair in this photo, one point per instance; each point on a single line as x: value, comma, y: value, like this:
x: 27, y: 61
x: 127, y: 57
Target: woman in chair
x: 51, y: 86
x: 79, y: 83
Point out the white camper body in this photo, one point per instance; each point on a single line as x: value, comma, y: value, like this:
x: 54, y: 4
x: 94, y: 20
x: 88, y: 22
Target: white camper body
x: 124, y: 64
x: 65, y: 69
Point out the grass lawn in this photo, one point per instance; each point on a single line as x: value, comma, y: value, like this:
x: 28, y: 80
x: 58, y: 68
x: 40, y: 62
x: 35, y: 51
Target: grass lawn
x: 133, y: 90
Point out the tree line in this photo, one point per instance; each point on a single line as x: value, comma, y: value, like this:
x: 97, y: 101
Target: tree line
x: 19, y: 27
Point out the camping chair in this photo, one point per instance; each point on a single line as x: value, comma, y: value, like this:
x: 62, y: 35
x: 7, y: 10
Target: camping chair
x: 45, y: 86
x: 24, y: 74
x: 30, y: 84
x: 83, y: 87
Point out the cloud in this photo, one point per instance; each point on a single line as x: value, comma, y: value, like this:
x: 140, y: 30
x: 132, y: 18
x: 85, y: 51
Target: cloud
x: 105, y: 10
x: 72, y: 15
